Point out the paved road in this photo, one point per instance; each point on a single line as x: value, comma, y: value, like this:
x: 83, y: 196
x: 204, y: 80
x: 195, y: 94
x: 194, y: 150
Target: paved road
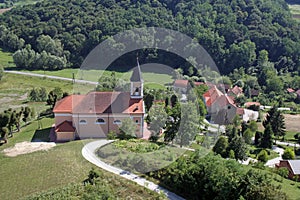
x: 288, y: 144
x: 51, y: 77
x: 272, y: 162
x: 88, y: 153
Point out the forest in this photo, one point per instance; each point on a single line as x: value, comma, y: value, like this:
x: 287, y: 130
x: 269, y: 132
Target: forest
x: 55, y: 35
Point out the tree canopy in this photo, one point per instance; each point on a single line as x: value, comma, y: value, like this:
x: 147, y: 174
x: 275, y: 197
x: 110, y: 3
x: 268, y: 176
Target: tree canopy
x: 233, y: 32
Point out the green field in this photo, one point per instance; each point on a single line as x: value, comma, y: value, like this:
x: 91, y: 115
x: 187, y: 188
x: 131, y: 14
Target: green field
x: 93, y: 75
x: 45, y: 170
x: 14, y: 90
x: 6, y: 59
x: 295, y: 10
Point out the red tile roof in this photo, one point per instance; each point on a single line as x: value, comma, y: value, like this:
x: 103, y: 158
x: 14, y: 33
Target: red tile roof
x: 290, y: 90
x: 212, y: 95
x: 66, y: 104
x: 247, y: 104
x: 224, y: 100
x: 100, y: 102
x: 181, y: 83
x: 65, y: 126
x: 240, y: 111
x: 236, y: 90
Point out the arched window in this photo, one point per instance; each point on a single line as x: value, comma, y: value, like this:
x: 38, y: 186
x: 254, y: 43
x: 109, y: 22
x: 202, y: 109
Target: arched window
x: 117, y: 122
x: 100, y: 121
x: 82, y: 121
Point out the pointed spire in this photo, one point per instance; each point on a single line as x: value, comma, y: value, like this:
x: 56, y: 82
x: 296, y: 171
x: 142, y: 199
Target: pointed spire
x: 137, y: 74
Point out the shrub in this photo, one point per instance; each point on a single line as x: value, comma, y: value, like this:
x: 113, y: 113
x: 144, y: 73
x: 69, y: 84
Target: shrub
x: 112, y: 135
x: 288, y: 154
x: 262, y: 156
x: 283, y: 172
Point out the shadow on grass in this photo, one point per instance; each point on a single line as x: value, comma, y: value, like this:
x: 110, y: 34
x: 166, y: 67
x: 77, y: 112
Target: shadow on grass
x: 42, y: 135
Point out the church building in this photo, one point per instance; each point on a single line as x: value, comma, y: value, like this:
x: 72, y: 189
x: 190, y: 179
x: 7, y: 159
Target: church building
x: 95, y: 114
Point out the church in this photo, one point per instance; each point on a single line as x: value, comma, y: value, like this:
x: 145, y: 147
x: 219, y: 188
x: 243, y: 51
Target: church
x: 96, y: 114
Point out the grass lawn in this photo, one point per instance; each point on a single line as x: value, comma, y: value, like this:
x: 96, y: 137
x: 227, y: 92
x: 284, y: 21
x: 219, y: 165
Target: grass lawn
x: 139, y: 156
x: 158, y: 80
x: 45, y: 170
x: 254, y: 151
x: 6, y: 59
x: 15, y: 88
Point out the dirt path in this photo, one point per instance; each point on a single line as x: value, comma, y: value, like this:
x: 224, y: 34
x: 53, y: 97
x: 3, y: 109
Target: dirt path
x: 28, y: 147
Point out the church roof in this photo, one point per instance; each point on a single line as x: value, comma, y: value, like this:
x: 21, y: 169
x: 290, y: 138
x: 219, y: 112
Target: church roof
x: 65, y: 126
x: 136, y: 74
x: 100, y: 102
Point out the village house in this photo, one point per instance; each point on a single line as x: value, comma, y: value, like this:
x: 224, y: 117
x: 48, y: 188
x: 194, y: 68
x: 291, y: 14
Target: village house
x: 292, y: 165
x: 95, y: 114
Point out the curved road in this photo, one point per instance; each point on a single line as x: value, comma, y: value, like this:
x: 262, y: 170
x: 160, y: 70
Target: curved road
x: 88, y: 153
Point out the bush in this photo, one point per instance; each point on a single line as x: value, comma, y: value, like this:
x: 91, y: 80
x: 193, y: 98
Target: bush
x: 288, y: 154
x: 262, y: 156
x: 283, y: 172
x: 112, y: 135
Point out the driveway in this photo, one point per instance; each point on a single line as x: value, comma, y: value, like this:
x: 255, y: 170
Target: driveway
x: 88, y: 153
x: 272, y: 162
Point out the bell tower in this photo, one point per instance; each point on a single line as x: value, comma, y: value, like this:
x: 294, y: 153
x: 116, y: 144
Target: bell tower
x: 137, y: 83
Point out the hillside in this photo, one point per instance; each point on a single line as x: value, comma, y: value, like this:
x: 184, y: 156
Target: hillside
x: 233, y: 32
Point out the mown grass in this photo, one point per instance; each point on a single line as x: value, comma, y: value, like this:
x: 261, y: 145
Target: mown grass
x: 6, y: 59
x: 94, y: 75
x: 46, y: 170
x: 14, y: 90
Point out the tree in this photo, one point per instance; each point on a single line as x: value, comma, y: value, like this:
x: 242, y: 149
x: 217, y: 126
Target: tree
x: 276, y: 120
x: 266, y: 140
x: 239, y: 147
x: 174, y: 100
x: 148, y: 100
x: 127, y: 129
x: 253, y: 126
x: 173, y: 123
x: 52, y: 98
x: 26, y: 114
x: 1, y: 72
x: 288, y: 154
x: 189, y: 124
x: 221, y: 147
x: 262, y: 156
x: 158, y: 117
x: 247, y: 135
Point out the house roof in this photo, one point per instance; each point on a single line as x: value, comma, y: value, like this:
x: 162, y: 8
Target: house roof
x: 247, y: 104
x: 240, y: 111
x: 100, y: 102
x: 290, y: 90
x: 212, y: 95
x: 181, y: 83
x: 66, y: 104
x: 65, y: 126
x: 137, y: 74
x: 254, y: 92
x: 224, y: 100
x: 236, y: 90
x: 295, y: 166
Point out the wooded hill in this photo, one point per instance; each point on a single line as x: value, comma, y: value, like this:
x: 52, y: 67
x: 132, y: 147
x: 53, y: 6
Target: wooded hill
x: 233, y: 32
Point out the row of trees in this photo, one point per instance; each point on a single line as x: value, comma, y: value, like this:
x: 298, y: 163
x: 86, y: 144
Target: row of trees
x: 11, y: 120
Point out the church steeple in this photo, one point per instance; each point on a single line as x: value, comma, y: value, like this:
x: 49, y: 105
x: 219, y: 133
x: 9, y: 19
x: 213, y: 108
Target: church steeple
x: 137, y: 82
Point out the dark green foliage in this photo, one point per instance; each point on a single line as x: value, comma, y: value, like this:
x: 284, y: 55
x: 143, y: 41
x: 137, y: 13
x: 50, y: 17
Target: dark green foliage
x: 221, y: 147
x: 247, y: 135
x: 266, y: 140
x: 239, y: 147
x: 1, y: 72
x: 276, y: 120
x: 283, y: 171
x: 262, y: 156
x: 38, y: 94
x: 232, y: 32
x: 148, y: 100
x: 110, y: 83
x: 212, y: 177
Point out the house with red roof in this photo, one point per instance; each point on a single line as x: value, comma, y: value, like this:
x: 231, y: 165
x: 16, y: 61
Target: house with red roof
x: 96, y: 114
x: 293, y: 167
x: 181, y: 85
x: 235, y: 91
